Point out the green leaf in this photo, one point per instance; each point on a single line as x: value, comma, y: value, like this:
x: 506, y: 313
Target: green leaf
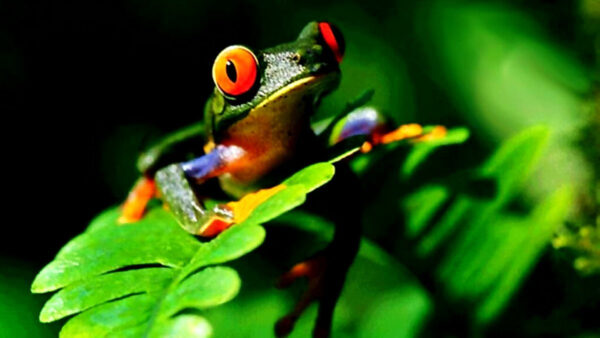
x: 185, y: 326
x: 151, y: 277
x: 84, y: 295
x: 312, y: 177
x: 112, y: 317
x: 156, y: 239
x: 209, y: 287
x: 298, y: 186
x: 228, y: 246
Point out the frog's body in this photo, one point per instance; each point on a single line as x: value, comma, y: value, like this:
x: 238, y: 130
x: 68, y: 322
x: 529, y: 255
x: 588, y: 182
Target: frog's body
x: 257, y: 130
x: 272, y: 134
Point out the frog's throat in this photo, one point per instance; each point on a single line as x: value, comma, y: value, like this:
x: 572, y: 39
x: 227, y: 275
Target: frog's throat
x: 306, y: 81
x: 313, y: 85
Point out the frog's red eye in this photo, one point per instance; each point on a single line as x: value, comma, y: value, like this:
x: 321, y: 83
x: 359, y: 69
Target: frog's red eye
x: 235, y: 71
x: 334, y: 39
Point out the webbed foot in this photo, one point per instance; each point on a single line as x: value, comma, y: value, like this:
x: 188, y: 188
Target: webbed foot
x: 217, y: 220
x: 236, y: 212
x: 412, y: 132
x: 435, y: 133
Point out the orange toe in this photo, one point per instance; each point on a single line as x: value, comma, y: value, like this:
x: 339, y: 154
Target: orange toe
x: 437, y: 133
x: 401, y: 133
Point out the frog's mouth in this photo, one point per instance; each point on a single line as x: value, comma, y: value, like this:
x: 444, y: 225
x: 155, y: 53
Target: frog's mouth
x: 312, y: 86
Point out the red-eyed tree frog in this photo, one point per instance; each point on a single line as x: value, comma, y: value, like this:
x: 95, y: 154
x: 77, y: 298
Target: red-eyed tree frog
x: 257, y: 131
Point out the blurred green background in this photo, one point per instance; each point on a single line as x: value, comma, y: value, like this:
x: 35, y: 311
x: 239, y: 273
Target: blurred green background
x: 91, y: 83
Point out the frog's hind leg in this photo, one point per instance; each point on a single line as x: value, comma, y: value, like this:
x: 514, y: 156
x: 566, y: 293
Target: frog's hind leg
x: 312, y: 269
x: 326, y: 274
x: 326, y: 271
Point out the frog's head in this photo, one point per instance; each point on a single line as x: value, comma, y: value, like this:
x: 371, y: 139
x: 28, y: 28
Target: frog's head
x: 286, y: 79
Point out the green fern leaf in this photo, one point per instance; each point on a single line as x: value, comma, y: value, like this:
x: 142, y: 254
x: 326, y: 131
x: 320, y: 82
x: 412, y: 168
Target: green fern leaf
x: 151, y: 278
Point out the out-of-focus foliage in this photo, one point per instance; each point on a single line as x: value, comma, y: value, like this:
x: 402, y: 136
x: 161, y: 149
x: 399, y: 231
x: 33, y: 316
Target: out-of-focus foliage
x: 585, y: 241
x: 484, y: 250
x: 476, y: 251
x: 582, y: 239
x: 505, y: 72
x: 507, y: 75
x: 590, y: 13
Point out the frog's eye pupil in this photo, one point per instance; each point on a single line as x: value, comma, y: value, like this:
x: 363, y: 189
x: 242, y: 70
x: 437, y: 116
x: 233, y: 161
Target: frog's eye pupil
x: 333, y: 38
x: 231, y: 72
x: 235, y: 72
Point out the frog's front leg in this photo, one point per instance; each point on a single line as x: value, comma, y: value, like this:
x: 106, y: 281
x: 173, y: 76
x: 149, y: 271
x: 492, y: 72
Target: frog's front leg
x: 369, y: 122
x: 174, y: 184
x: 184, y: 143
x: 135, y: 204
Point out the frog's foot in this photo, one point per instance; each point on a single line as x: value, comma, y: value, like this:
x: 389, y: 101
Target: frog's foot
x: 219, y: 220
x: 134, y: 207
x: 435, y: 133
x: 314, y: 270
x: 224, y: 216
x: 413, y: 132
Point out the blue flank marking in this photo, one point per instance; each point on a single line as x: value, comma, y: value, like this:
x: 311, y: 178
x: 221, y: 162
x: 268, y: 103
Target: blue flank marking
x: 199, y: 168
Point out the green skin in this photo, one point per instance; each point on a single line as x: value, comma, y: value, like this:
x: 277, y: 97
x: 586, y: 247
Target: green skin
x: 276, y: 118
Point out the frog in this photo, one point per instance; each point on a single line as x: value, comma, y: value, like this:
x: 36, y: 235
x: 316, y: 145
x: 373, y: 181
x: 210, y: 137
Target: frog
x: 256, y: 131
